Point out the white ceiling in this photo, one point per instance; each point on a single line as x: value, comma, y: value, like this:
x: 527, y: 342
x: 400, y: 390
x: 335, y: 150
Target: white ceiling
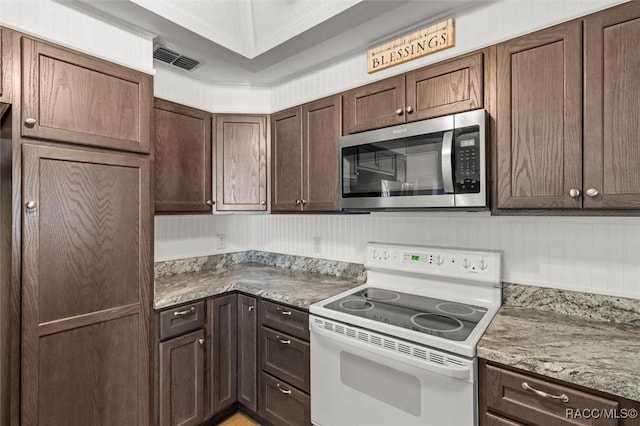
x: 263, y: 42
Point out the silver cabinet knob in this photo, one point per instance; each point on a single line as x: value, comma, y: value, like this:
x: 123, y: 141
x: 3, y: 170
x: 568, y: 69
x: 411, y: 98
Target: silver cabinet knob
x: 304, y: 202
x: 574, y: 193
x: 399, y: 111
x: 592, y: 192
x: 201, y: 341
x: 30, y: 121
x: 263, y: 203
x: 409, y: 110
x: 209, y: 202
x: 298, y: 202
x: 251, y: 307
x: 30, y: 204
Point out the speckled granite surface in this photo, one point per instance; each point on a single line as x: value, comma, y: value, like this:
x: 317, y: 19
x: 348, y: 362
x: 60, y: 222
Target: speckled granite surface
x: 298, y: 263
x: 586, y: 305
x: 295, y: 280
x: 568, y: 336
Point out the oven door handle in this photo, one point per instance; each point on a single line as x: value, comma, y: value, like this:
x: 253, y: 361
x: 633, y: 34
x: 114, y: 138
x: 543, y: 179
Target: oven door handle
x: 447, y: 163
x: 462, y: 373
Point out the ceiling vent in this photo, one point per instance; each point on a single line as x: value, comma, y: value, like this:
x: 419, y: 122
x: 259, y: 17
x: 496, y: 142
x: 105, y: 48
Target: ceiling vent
x: 167, y: 56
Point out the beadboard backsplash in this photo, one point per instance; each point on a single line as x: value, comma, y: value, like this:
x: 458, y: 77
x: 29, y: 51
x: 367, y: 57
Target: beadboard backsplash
x: 589, y: 254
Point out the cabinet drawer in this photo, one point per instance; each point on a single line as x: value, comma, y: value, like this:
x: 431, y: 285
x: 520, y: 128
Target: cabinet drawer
x: 177, y: 321
x: 493, y: 420
x: 282, y: 404
x: 514, y: 395
x: 285, y: 357
x: 285, y: 319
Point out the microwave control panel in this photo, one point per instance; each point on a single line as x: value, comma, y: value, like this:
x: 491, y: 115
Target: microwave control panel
x: 467, y: 160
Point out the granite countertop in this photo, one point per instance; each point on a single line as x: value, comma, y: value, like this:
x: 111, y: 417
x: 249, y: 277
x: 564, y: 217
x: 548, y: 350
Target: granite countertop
x: 293, y: 287
x: 599, y: 355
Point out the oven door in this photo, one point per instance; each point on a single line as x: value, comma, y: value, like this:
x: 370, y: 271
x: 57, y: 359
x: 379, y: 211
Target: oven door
x: 398, y: 167
x: 364, y: 378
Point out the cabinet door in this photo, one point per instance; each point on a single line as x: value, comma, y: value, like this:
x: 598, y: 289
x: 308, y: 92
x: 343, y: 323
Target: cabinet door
x: 321, y: 122
x: 241, y: 160
x: 71, y: 97
x: 181, y: 398
x: 375, y: 105
x: 286, y: 143
x: 6, y: 64
x: 222, y: 357
x: 539, y: 119
x: 447, y: 88
x: 247, y: 352
x: 612, y: 90
x: 86, y: 287
x: 182, y: 158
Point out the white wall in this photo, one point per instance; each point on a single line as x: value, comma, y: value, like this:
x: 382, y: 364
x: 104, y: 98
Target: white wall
x: 178, y: 86
x: 592, y: 254
x: 79, y: 29
x: 479, y: 28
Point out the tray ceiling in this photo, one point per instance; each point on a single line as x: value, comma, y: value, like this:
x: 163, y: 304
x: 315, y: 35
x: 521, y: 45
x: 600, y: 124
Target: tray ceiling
x: 266, y: 41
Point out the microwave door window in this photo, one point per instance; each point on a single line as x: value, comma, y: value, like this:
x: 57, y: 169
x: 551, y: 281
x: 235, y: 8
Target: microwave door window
x: 401, y: 167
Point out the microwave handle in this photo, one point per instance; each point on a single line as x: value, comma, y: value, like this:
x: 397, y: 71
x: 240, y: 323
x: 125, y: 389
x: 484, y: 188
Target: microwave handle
x: 447, y: 164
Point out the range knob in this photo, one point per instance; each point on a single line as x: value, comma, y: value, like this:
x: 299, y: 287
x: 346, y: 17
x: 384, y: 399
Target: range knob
x: 466, y: 263
x: 375, y: 253
x: 385, y: 254
x: 483, y: 264
x: 439, y: 260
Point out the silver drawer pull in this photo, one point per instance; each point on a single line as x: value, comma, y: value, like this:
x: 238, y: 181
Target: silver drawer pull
x: 283, y: 312
x: 185, y: 312
x: 283, y: 341
x: 283, y: 390
x: 542, y: 394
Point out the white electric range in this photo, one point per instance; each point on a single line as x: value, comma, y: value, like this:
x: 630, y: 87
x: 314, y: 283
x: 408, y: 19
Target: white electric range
x: 401, y: 348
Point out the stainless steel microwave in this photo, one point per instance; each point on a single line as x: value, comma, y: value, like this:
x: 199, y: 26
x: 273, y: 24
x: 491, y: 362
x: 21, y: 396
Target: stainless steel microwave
x: 440, y: 162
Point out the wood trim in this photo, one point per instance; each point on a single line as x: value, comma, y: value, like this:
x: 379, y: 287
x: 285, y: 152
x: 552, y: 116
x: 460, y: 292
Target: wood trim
x: 58, y: 326
x: 33, y: 49
x: 6, y: 65
x: 598, y: 111
x: 570, y: 35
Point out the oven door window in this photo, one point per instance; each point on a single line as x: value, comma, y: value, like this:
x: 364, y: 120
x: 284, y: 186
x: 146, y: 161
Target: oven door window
x: 400, y: 167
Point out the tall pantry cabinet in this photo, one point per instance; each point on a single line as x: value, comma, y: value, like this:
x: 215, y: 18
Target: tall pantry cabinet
x: 82, y: 297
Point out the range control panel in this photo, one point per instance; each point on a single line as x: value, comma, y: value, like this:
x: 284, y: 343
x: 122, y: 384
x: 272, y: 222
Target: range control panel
x: 475, y: 265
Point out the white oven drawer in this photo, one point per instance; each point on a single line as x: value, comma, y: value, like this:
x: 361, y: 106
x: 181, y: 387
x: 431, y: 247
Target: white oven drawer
x: 364, y: 378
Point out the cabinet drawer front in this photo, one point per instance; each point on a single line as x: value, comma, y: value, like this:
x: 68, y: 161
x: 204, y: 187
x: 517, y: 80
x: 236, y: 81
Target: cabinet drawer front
x: 71, y: 97
x: 514, y: 395
x: 285, y: 319
x: 285, y: 357
x: 177, y: 321
x: 493, y: 420
x: 282, y: 404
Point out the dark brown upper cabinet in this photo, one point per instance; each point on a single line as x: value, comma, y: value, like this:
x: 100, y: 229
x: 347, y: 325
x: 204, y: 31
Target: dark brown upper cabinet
x: 539, y: 119
x: 446, y: 88
x: 305, y: 156
x: 6, y: 62
x: 182, y: 159
x: 71, y: 97
x: 86, y: 287
x: 241, y: 162
x: 562, y: 144
x: 611, y: 109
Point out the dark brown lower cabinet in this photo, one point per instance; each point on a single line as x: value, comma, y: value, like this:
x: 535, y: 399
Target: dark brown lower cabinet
x: 283, y: 404
x: 221, y: 359
x: 284, y: 363
x: 511, y: 397
x: 248, y: 352
x: 86, y: 287
x: 181, y: 364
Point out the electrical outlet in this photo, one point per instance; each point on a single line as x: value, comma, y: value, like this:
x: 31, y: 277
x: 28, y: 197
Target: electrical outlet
x: 317, y: 244
x: 221, y: 241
